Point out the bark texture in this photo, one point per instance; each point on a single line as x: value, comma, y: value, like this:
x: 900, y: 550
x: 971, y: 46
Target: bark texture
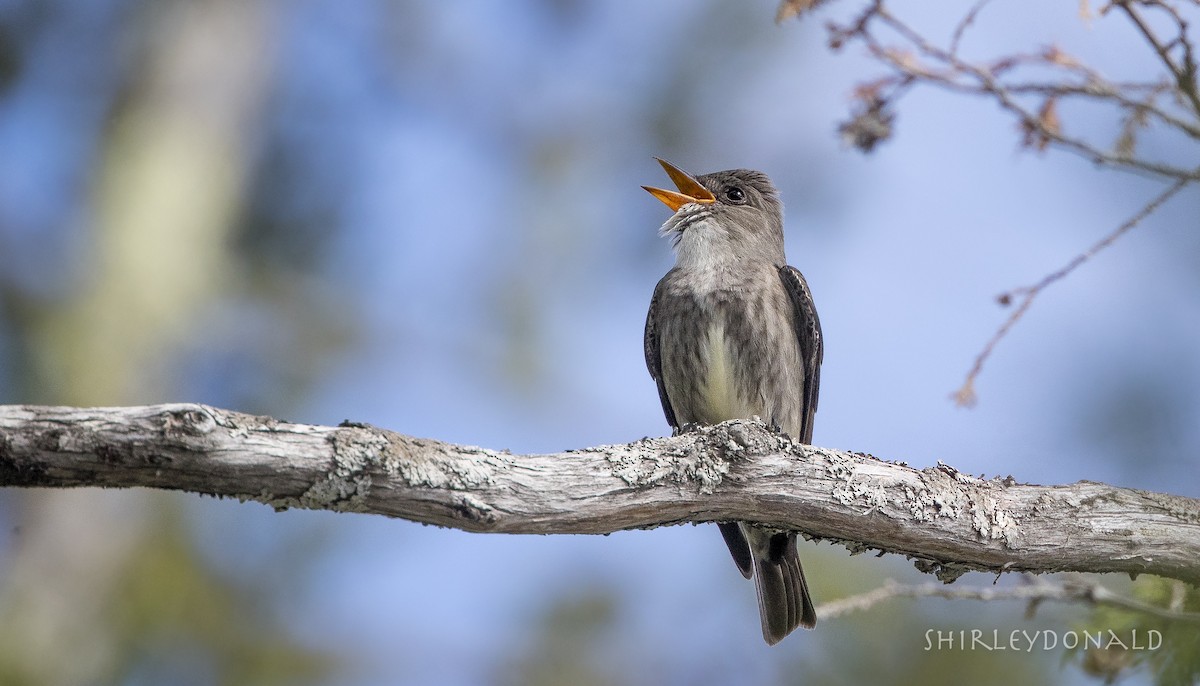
x: 739, y: 470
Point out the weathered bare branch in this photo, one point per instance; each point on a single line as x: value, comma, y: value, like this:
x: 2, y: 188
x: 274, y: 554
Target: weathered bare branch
x: 1183, y: 72
x: 1071, y: 590
x: 738, y: 470
x: 963, y: 76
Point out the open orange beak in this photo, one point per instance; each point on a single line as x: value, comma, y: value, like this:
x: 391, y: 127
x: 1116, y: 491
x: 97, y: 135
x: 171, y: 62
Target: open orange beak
x: 690, y: 189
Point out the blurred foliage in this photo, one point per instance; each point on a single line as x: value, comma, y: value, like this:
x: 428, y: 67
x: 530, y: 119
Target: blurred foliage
x: 562, y: 641
x: 189, y: 228
x: 174, y: 613
x: 1130, y: 642
x: 115, y: 297
x: 892, y: 643
x: 169, y: 618
x: 83, y: 603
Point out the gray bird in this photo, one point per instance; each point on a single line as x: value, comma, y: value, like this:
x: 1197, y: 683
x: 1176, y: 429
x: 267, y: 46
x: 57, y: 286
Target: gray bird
x: 732, y: 333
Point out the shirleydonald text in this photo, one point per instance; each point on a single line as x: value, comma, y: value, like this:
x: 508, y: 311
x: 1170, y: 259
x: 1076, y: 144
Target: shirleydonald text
x: 1022, y: 640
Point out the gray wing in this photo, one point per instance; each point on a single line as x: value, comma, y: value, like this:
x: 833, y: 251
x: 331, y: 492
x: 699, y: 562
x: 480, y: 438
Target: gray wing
x: 812, y: 349
x: 654, y: 352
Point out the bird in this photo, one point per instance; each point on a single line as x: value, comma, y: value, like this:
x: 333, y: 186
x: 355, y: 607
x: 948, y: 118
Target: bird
x: 732, y: 333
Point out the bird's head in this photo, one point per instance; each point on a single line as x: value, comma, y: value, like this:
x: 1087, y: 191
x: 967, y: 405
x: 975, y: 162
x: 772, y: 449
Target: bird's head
x: 726, y: 215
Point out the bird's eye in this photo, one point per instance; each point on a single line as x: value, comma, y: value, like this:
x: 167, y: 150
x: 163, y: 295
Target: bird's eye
x: 735, y: 195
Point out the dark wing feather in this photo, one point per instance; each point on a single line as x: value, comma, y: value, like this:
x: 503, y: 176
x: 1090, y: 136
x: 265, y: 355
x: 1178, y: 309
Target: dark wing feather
x: 812, y: 349
x: 654, y: 353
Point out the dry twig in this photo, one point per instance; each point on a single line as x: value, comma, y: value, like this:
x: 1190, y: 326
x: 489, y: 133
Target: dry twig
x: 1034, y: 591
x: 965, y: 395
x: 1032, y: 87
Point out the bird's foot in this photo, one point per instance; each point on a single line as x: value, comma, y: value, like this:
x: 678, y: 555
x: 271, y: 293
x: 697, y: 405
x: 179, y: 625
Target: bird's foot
x: 688, y: 428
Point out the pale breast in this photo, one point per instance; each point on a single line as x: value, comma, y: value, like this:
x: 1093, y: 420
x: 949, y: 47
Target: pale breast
x: 720, y: 397
x: 732, y: 354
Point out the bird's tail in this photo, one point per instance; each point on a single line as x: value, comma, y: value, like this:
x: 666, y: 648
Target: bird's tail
x: 783, y: 599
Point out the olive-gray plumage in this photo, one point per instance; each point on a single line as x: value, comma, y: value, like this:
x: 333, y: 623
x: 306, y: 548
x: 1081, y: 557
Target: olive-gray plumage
x: 732, y: 333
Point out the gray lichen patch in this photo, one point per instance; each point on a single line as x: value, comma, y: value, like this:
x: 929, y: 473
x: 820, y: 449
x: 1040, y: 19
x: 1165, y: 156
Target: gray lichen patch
x: 924, y: 496
x: 342, y: 493
x: 992, y: 521
x: 838, y: 466
x: 946, y: 572
x: 751, y: 437
x: 431, y: 464
x: 364, y: 457
x: 860, y: 492
x: 867, y: 495
x: 693, y: 463
x: 944, y: 492
x: 311, y: 499
x: 356, y: 452
x: 1183, y: 509
x: 705, y: 459
x: 929, y: 499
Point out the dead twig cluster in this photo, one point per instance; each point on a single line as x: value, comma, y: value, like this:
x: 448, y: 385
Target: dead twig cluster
x: 1034, y: 86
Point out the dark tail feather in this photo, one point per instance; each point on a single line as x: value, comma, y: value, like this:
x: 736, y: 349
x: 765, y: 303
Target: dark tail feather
x: 738, y: 547
x: 783, y: 599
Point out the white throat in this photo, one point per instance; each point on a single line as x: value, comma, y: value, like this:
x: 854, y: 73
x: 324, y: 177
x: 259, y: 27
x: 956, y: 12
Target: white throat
x: 703, y: 252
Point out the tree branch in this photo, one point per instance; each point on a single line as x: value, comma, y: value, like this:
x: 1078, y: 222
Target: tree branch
x: 1035, y: 592
x: 963, y: 76
x: 965, y: 395
x: 1184, y: 74
x: 739, y: 470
